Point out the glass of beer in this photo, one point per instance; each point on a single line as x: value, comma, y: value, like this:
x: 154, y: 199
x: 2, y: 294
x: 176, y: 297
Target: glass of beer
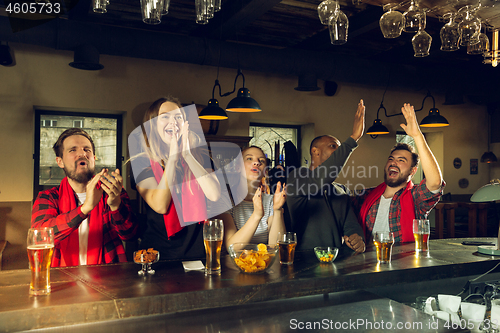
x: 40, y: 249
x: 213, y: 234
x: 287, y: 241
x: 421, y: 232
x: 383, y: 243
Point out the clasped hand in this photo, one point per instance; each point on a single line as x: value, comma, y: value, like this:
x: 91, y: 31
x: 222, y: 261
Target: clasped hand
x: 180, y: 140
x: 112, y: 184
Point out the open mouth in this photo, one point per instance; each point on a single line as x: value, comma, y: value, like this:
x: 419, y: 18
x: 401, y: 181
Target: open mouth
x: 393, y: 172
x: 171, y: 131
x: 82, y: 163
x: 255, y: 170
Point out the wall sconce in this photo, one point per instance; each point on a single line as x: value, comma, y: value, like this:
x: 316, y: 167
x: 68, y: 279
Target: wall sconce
x: 213, y: 111
x: 377, y: 128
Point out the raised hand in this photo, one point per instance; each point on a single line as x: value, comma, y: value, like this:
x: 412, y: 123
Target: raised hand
x: 411, y: 128
x: 94, y: 194
x: 359, y: 121
x: 112, y: 185
x: 279, y: 198
x: 258, y: 210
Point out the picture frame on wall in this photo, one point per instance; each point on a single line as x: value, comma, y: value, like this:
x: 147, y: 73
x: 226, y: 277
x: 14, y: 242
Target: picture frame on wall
x: 473, y: 166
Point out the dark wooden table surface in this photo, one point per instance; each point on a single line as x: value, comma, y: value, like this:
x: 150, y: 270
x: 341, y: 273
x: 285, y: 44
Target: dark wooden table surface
x: 90, y: 294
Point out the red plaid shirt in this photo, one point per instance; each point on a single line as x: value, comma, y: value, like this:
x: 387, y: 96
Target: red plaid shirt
x: 117, y: 225
x: 423, y: 199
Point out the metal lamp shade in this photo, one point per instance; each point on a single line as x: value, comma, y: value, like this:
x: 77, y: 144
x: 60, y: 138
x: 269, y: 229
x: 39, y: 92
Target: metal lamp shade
x: 488, y: 157
x: 243, y: 102
x: 213, y: 111
x: 377, y: 128
x: 487, y: 193
x: 434, y: 119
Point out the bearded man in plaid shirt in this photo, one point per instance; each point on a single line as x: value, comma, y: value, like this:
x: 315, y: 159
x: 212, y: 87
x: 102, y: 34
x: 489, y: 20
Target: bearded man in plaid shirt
x: 392, y: 206
x: 90, y: 214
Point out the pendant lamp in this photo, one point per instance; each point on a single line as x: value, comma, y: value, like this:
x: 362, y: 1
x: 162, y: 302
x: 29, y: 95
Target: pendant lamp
x: 242, y: 102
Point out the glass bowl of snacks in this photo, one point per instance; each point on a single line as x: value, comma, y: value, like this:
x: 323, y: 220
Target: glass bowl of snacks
x: 253, y: 258
x: 146, y: 258
x: 326, y: 254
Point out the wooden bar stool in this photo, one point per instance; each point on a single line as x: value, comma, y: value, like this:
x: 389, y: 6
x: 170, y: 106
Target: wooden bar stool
x: 440, y: 208
x: 483, y: 218
x: 439, y: 220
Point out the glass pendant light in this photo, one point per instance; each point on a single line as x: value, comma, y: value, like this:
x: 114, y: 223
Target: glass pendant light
x: 391, y: 23
x: 414, y: 18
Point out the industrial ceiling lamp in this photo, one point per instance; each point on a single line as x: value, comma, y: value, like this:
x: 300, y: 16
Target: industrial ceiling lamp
x: 434, y: 118
x: 377, y: 128
x: 489, y: 156
x: 242, y: 102
x: 213, y: 111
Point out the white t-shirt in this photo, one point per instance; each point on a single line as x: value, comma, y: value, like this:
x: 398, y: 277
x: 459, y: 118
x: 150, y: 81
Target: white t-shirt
x: 83, y: 232
x: 242, y: 212
x: 382, y: 220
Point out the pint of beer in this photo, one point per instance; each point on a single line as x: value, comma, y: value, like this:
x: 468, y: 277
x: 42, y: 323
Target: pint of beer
x: 40, y: 249
x: 383, y: 244
x: 287, y: 241
x: 421, y: 232
x: 213, y: 234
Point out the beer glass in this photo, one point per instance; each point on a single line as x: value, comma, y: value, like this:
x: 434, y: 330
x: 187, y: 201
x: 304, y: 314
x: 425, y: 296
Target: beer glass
x: 287, y: 241
x: 40, y: 249
x: 421, y: 232
x: 383, y: 243
x: 213, y: 234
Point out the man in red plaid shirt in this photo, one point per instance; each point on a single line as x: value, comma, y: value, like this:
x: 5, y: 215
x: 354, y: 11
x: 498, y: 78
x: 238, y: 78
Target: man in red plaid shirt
x: 392, y: 206
x: 90, y: 214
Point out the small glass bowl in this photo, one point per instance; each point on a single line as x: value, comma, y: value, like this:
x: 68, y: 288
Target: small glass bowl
x: 326, y: 254
x: 237, y: 249
x: 146, y: 262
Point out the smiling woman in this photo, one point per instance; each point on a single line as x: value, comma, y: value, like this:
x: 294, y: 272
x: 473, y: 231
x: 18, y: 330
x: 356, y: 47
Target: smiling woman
x: 173, y: 176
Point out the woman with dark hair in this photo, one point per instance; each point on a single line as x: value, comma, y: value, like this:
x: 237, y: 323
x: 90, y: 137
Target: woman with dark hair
x: 171, y: 165
x: 259, y: 217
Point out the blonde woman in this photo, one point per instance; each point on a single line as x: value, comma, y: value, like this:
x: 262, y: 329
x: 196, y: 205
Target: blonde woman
x: 259, y: 217
x: 172, y: 169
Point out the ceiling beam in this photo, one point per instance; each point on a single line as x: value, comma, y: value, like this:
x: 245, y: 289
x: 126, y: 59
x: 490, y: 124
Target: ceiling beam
x: 234, y: 16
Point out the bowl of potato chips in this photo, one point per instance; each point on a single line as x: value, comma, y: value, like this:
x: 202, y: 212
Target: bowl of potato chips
x: 253, y: 258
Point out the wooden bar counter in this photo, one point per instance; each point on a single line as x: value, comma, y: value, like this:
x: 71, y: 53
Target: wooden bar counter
x: 111, y: 293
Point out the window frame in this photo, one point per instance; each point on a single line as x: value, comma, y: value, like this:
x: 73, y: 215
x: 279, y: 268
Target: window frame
x: 296, y: 127
x: 39, y: 111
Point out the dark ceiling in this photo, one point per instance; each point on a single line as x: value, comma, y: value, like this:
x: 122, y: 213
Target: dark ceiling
x: 271, y: 36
